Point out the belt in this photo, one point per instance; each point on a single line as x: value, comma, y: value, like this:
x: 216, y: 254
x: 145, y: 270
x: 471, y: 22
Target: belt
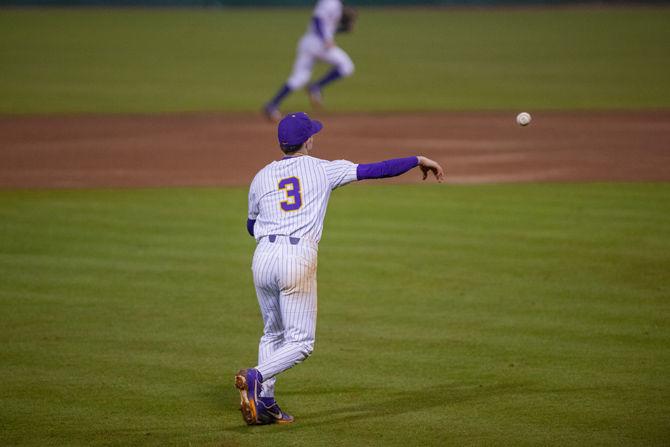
x: 293, y: 240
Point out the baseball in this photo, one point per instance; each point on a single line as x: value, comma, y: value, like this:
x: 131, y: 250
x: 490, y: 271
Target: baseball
x: 523, y: 119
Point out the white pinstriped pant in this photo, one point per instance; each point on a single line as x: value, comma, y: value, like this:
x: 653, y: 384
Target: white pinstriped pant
x: 285, y: 281
x: 311, y: 49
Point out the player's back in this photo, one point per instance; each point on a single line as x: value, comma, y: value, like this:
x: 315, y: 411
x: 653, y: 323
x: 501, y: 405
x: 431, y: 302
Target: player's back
x: 290, y: 196
x: 329, y: 11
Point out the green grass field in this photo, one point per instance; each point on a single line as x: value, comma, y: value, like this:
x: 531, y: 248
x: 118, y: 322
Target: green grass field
x: 147, y: 61
x: 478, y: 315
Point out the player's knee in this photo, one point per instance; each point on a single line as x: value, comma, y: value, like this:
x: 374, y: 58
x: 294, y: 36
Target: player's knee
x: 272, y: 337
x: 346, y: 68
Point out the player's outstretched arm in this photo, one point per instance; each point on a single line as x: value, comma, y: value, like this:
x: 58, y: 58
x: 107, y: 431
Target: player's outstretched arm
x: 398, y: 166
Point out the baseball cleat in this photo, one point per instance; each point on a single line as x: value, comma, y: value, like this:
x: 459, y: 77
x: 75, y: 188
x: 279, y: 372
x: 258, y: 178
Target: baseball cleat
x: 270, y: 413
x: 272, y: 113
x: 248, y: 382
x: 315, y: 97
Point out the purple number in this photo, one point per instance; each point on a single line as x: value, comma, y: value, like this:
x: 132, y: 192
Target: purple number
x: 293, y: 200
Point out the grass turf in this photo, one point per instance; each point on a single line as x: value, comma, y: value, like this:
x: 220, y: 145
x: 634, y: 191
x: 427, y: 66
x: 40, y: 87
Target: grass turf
x: 146, y: 61
x: 480, y: 315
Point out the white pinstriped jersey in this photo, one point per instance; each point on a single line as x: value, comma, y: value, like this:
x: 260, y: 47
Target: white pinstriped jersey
x: 329, y: 11
x: 289, y: 197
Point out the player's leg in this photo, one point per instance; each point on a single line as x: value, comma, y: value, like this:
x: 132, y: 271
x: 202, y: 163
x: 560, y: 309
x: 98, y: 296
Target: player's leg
x: 298, y: 309
x: 297, y: 306
x: 266, y: 281
x: 302, y: 71
x: 273, y: 331
x: 249, y: 381
x: 342, y: 67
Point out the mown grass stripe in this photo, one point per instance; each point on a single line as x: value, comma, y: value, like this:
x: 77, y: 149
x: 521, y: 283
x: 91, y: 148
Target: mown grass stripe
x: 521, y: 314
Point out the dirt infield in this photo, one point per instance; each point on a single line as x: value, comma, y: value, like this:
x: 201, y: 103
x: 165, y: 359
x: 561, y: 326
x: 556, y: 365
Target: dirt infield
x: 227, y: 149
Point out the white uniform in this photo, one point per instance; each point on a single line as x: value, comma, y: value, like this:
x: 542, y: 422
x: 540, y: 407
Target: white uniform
x: 288, y: 200
x: 312, y: 48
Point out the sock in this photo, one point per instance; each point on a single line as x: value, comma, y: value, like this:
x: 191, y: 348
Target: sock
x: 332, y: 75
x: 279, y: 97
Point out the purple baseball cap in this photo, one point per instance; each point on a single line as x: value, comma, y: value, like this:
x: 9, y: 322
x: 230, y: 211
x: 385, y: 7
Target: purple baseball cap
x: 296, y: 128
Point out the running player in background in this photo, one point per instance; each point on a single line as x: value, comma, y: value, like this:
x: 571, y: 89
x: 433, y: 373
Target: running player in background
x: 287, y: 205
x: 318, y: 43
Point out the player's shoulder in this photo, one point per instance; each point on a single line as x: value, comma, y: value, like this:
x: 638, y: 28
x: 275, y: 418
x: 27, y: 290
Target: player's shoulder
x: 314, y: 160
x: 318, y: 162
x: 332, y: 168
x: 310, y: 163
x: 338, y: 162
x: 328, y: 5
x: 264, y: 171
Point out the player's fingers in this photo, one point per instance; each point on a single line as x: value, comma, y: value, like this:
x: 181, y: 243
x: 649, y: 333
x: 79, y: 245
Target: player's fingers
x: 439, y: 172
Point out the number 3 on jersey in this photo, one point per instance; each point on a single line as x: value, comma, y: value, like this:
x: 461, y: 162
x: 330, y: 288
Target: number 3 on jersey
x: 291, y: 187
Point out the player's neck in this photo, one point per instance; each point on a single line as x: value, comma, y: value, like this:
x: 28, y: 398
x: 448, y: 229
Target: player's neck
x: 298, y: 153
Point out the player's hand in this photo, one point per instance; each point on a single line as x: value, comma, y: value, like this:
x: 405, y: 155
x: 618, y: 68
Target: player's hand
x: 329, y: 44
x: 427, y: 165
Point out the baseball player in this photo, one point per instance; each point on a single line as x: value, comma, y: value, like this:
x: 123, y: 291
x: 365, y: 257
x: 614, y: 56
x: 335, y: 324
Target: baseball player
x: 318, y: 43
x: 287, y: 205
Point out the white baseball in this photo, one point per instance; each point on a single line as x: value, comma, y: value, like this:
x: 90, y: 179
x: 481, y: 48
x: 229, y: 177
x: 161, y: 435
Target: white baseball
x: 523, y: 119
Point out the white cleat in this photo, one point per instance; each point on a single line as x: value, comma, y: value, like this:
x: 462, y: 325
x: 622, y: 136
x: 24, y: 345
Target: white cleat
x: 315, y: 97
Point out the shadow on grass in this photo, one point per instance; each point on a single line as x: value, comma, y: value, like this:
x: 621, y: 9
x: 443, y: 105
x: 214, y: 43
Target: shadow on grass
x: 390, y: 405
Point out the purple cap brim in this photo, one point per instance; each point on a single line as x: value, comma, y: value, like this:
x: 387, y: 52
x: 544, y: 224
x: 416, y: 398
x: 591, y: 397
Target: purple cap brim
x: 316, y: 127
